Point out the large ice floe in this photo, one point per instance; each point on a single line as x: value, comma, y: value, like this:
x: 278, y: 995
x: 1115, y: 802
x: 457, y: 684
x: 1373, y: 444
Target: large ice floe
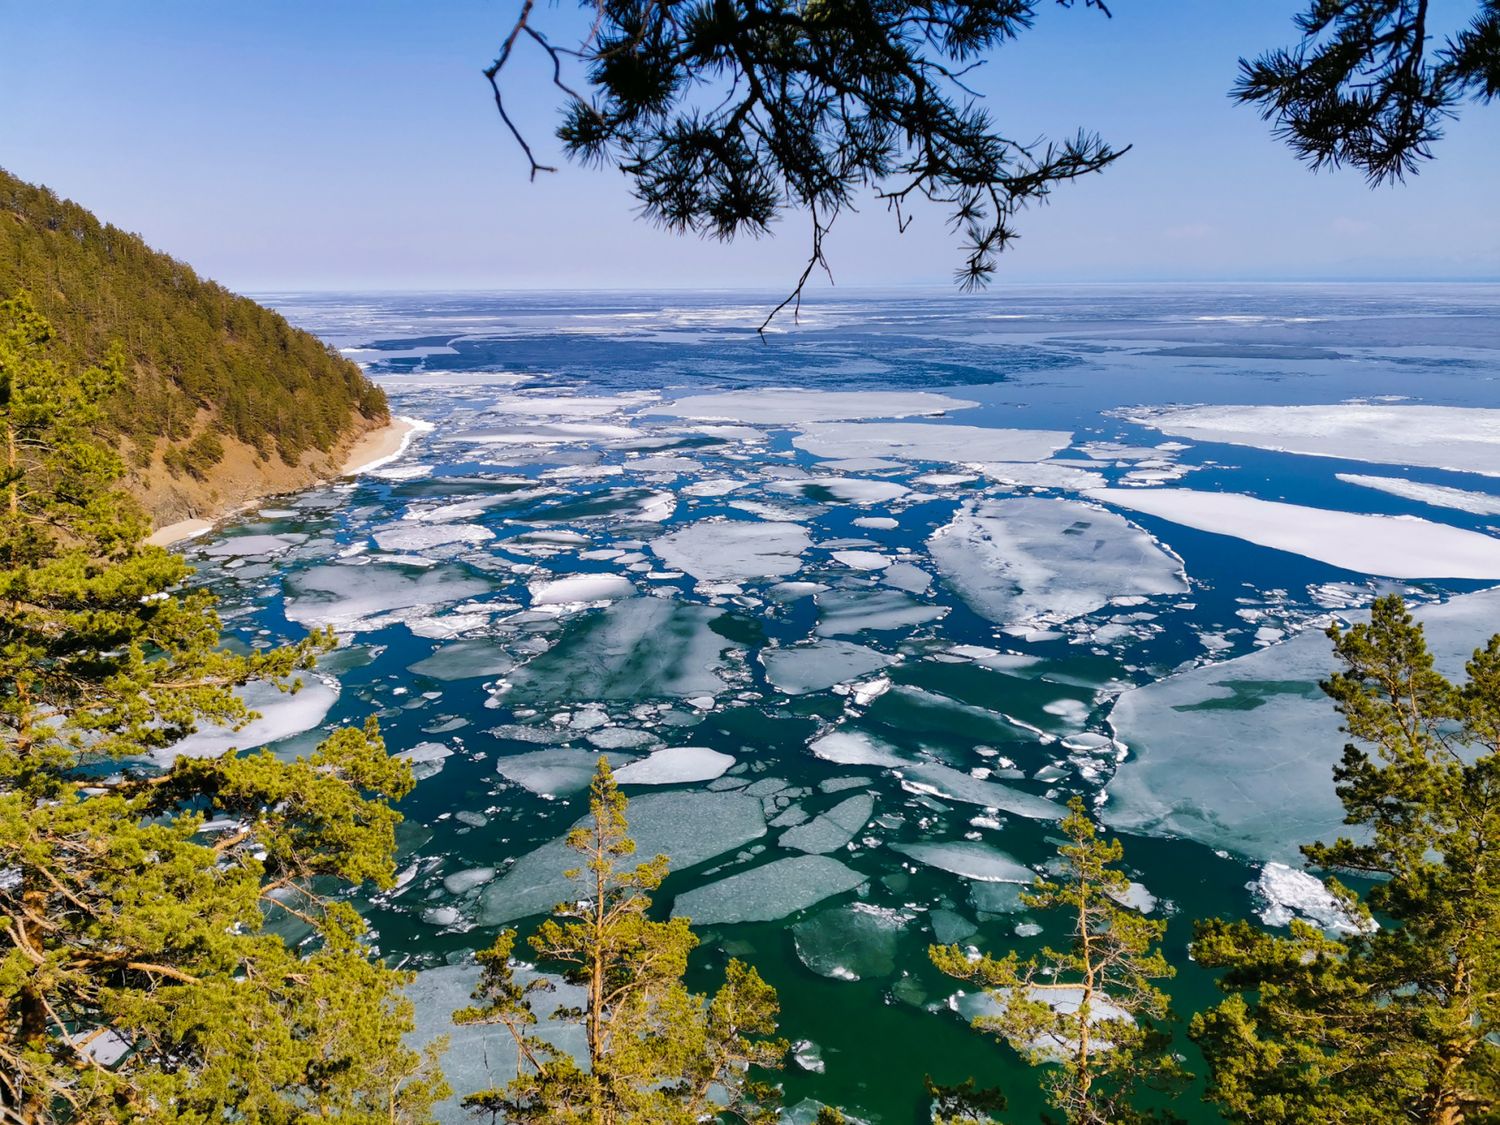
x: 918, y: 441
x: 676, y: 765
x: 784, y: 406
x: 768, y: 892
x: 1393, y: 546
x: 357, y: 598
x: 969, y: 860
x: 1239, y: 755
x: 854, y: 942
x: 686, y: 827
x: 1284, y: 893
x: 634, y: 649
x: 281, y: 715
x: 1031, y: 559
x: 1465, y: 439
x: 734, y: 550
x: 482, y: 1056
x: 800, y: 669
x: 1437, y: 495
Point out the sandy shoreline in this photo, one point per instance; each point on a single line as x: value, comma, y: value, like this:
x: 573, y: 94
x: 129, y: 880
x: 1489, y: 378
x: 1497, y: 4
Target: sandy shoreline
x: 379, y: 447
x: 376, y: 448
x: 176, y: 532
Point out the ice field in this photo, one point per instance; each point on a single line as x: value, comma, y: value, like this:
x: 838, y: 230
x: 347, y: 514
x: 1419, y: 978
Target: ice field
x: 855, y: 611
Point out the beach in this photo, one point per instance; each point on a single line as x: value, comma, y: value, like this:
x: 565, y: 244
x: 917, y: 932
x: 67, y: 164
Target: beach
x: 379, y: 446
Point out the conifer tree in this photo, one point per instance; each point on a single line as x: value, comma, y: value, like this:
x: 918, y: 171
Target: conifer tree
x: 142, y: 976
x: 1395, y: 1022
x: 656, y: 1053
x: 1091, y: 1012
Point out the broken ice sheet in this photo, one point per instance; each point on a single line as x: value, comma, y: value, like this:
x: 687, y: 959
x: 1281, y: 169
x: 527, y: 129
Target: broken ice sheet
x: 687, y: 827
x: 354, y: 598
x: 1285, y: 893
x: 1031, y: 559
x: 675, y: 765
x: 969, y: 860
x: 734, y: 550
x: 793, y: 406
x: 282, y: 714
x: 854, y: 942
x: 634, y: 649
x: 1239, y: 755
x: 850, y: 611
x: 1394, y: 546
x: 465, y: 660
x: 944, y: 781
x: 766, y: 893
x: 1437, y: 495
x: 800, y: 669
x: 918, y: 441
x: 1464, y: 439
x: 833, y: 829
x: 554, y: 773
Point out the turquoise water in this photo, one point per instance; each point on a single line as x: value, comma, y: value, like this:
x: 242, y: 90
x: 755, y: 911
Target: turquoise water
x: 845, y: 606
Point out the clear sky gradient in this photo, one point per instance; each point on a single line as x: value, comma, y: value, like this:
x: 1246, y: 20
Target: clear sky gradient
x: 333, y: 144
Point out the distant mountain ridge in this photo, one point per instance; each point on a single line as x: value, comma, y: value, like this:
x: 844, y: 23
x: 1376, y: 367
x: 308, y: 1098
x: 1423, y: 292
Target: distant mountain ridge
x: 226, y: 401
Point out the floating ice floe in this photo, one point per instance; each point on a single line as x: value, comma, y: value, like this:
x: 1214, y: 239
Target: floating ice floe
x: 800, y: 669
x: 968, y: 860
x: 1463, y: 439
x: 247, y: 546
x: 282, y: 714
x: 1437, y: 495
x: 1063, y: 999
x: 475, y: 1056
x: 734, y: 550
x: 553, y: 773
x: 1043, y: 476
x: 918, y: 441
x: 634, y: 649
x: 1239, y: 755
x: 854, y: 942
x: 1286, y: 893
x: 356, y: 598
x: 833, y: 829
x: 462, y: 882
x: 854, y: 748
x: 845, y: 612
x: 686, y: 827
x: 793, y: 406
x: 424, y: 536
x: 945, y: 781
x: 1032, y: 559
x: 849, y: 490
x: 1393, y: 546
x: 577, y: 588
x: 426, y: 759
x: 465, y: 660
x: 675, y: 765
x: 766, y: 893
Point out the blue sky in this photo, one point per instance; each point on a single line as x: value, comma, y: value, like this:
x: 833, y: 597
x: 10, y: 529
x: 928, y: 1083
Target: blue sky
x: 335, y: 144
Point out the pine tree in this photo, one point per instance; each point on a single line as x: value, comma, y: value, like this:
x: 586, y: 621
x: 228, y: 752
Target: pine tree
x: 1091, y: 1013
x: 143, y: 976
x: 657, y: 1054
x: 1395, y: 1022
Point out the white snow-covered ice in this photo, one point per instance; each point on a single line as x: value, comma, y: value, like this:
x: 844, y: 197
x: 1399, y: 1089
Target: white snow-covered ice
x: 1031, y: 559
x: 1393, y: 546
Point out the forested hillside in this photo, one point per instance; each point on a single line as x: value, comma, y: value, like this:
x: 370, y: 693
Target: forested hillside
x: 224, y: 400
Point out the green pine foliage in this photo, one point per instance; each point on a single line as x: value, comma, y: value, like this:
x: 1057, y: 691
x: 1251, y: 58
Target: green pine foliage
x: 199, y: 359
x: 1396, y: 1022
x: 657, y: 1053
x: 1090, y: 1013
x: 144, y: 975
